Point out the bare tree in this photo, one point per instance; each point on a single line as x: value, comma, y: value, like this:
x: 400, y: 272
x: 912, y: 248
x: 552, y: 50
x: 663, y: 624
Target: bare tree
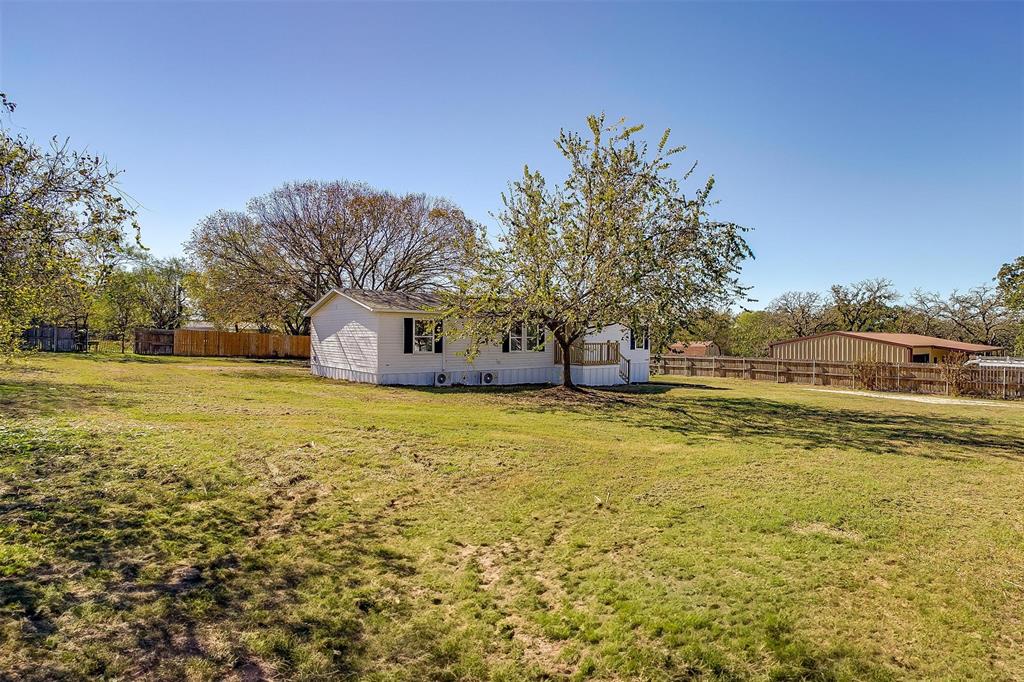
x: 302, y: 239
x: 868, y: 305
x: 975, y: 315
x: 924, y: 314
x: 802, y: 312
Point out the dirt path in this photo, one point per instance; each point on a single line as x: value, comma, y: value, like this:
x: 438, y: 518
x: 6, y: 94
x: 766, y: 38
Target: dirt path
x: 936, y: 400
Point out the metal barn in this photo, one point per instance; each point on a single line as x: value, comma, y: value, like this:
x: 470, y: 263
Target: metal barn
x: 878, y: 346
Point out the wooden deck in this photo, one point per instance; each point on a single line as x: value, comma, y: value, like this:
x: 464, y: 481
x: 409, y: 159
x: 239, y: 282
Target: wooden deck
x: 590, y: 354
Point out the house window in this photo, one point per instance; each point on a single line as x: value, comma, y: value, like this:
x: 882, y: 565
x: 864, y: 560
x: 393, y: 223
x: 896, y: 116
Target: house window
x: 525, y: 337
x: 423, y: 334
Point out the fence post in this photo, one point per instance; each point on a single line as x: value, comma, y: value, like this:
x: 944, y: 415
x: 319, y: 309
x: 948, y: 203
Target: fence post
x: 778, y: 367
x: 1004, y: 382
x: 897, y: 377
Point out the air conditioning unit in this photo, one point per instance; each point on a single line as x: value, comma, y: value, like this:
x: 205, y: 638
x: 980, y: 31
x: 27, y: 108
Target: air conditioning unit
x: 442, y: 379
x: 488, y: 378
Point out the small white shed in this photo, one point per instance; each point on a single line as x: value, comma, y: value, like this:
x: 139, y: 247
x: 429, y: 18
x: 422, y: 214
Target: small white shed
x: 389, y: 337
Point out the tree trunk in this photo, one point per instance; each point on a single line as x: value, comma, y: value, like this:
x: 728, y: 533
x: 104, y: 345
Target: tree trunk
x: 566, y: 365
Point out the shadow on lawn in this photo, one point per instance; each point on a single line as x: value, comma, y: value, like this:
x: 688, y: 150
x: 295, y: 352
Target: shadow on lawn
x: 809, y: 427
x: 118, y: 559
x: 30, y: 394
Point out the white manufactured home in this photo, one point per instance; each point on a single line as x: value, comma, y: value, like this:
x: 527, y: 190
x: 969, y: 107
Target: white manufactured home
x: 390, y: 337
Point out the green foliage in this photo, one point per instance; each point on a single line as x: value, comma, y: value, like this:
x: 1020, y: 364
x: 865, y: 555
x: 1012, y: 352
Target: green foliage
x: 162, y: 284
x: 752, y: 331
x: 62, y: 220
x: 1011, y: 287
x: 618, y: 241
x: 121, y: 307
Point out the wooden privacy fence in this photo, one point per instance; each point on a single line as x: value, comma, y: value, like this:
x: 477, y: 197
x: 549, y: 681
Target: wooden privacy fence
x: 154, y: 341
x: 240, y: 344
x: 211, y: 343
x: 904, y: 377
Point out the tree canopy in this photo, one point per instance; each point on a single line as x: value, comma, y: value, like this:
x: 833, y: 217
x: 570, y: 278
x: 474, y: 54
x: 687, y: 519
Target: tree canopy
x: 1010, y: 279
x: 617, y: 242
x: 63, y: 224
x: 266, y: 265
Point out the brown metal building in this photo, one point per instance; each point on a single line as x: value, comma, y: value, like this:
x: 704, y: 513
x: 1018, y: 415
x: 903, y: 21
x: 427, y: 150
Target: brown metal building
x: 880, y: 346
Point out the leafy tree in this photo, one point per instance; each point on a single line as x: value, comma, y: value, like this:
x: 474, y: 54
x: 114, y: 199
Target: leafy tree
x: 60, y: 214
x: 707, y: 325
x: 121, y: 306
x: 162, y: 283
x: 1011, y: 287
x: 617, y: 241
x: 752, y: 332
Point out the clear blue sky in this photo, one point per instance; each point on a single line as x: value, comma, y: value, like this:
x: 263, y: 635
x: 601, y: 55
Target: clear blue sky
x: 859, y: 140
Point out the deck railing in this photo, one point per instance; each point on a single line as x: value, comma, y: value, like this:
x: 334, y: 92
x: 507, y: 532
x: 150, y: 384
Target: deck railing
x: 590, y: 354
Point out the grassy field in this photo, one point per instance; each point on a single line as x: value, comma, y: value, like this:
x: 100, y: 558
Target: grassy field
x: 171, y: 518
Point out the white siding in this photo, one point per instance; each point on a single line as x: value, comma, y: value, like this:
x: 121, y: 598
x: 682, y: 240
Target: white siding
x: 343, y: 336
x: 394, y: 359
x: 349, y: 342
x: 639, y: 358
x: 601, y: 375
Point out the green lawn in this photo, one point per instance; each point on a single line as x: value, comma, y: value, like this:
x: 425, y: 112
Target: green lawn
x: 164, y: 518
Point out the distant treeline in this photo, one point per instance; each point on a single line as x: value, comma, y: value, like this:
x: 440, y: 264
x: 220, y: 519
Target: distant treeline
x: 990, y: 313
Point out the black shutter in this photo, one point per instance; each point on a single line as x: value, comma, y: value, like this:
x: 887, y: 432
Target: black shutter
x: 504, y: 343
x: 647, y: 341
x: 543, y: 337
x: 408, y: 335
x: 438, y: 338
x: 632, y: 340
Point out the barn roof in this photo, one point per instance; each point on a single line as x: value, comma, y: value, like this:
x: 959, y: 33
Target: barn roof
x: 383, y: 301
x: 906, y: 340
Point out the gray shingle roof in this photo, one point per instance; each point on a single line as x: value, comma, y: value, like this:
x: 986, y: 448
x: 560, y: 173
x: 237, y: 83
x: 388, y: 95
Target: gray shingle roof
x: 392, y: 300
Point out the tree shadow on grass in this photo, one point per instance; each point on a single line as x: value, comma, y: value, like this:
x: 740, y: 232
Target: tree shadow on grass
x: 115, y: 556
x: 809, y: 427
x: 32, y: 394
x: 107, y: 357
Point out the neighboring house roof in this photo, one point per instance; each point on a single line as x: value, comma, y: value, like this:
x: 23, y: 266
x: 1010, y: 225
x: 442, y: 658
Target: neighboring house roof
x: 382, y: 301
x: 906, y: 340
x: 682, y: 346
x: 206, y: 325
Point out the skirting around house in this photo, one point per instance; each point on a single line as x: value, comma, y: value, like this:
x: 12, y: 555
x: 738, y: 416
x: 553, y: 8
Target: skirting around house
x: 584, y: 376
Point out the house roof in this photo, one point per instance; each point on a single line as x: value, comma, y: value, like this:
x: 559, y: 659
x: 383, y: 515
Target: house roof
x: 680, y: 345
x: 906, y: 340
x: 382, y: 301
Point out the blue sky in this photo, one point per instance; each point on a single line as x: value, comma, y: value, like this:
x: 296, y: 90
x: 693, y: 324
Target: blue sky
x: 858, y: 140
